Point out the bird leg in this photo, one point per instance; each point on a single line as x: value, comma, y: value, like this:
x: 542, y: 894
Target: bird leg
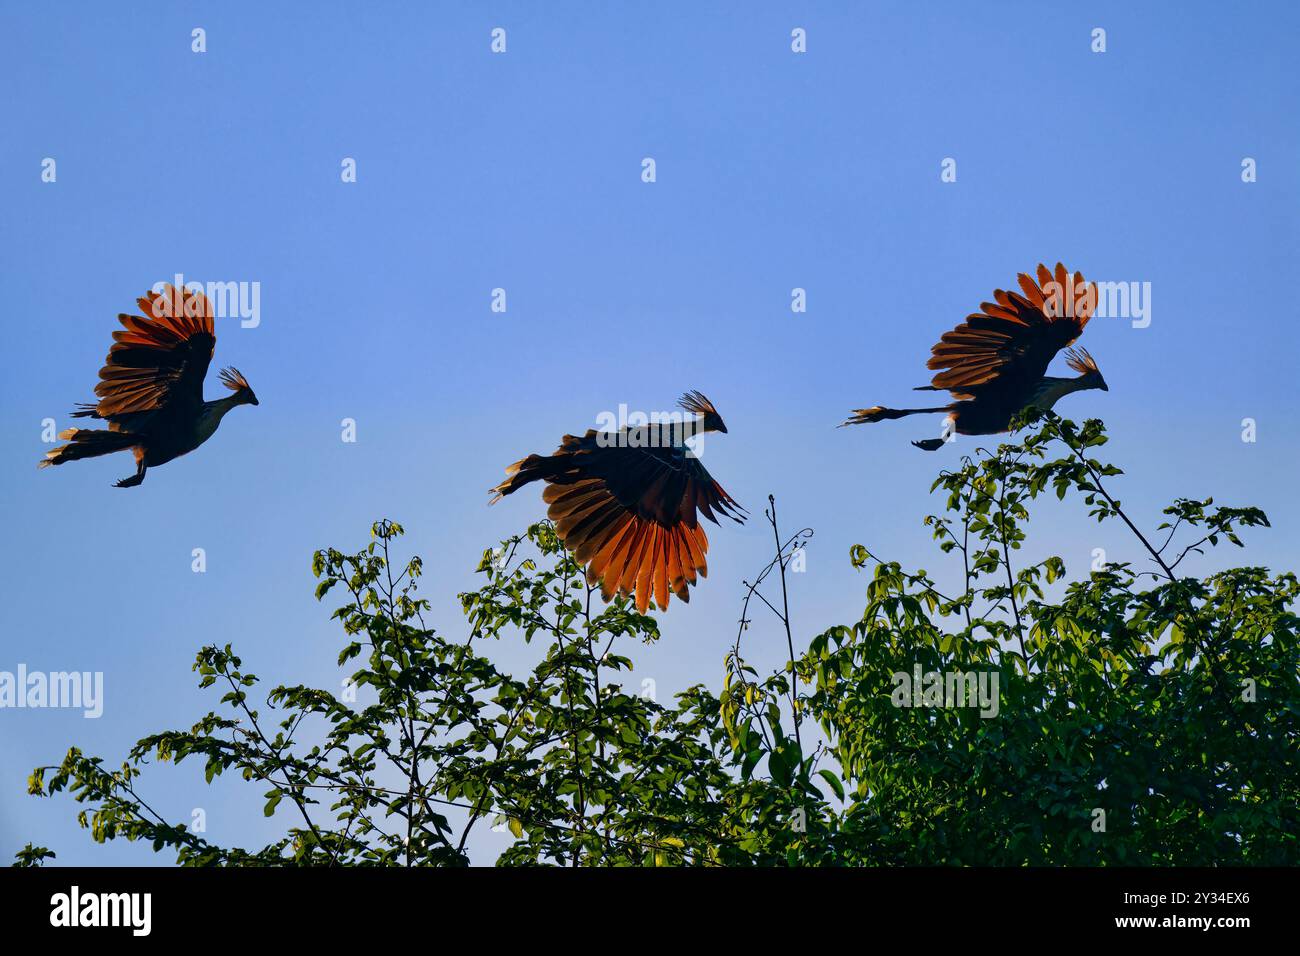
x: 934, y: 444
x: 135, y: 479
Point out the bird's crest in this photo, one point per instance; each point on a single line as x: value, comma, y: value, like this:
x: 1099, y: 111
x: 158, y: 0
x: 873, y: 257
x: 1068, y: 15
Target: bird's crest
x: 1081, y: 361
x: 234, y: 379
x: 694, y: 401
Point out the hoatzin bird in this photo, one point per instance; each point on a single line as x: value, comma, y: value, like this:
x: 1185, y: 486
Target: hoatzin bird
x: 624, y: 503
x: 151, y: 387
x: 994, y: 364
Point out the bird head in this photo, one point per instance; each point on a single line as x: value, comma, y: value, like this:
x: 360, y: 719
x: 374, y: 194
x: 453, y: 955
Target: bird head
x: 1083, y: 363
x: 697, y: 404
x: 234, y: 380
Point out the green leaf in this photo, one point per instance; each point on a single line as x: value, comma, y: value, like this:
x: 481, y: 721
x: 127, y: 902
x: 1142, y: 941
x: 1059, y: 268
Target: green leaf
x: 834, y: 782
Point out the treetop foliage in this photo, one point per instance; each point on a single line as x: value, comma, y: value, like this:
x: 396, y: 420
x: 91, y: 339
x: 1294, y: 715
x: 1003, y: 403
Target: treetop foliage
x: 1131, y: 716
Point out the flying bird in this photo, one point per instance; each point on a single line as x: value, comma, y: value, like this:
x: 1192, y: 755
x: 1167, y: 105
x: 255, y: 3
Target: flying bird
x: 151, y: 387
x: 995, y: 363
x: 625, y: 503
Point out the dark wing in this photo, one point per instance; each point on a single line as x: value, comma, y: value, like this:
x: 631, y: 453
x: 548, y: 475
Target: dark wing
x: 632, y: 515
x: 158, y: 361
x: 1009, y: 344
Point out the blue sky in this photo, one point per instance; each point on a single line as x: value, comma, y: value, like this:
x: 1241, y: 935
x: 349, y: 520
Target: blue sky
x: 522, y: 171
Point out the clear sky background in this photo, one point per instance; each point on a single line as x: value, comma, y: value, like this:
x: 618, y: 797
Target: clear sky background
x: 523, y: 171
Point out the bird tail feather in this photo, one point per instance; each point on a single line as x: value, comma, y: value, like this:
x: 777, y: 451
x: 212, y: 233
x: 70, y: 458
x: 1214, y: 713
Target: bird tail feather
x: 527, y: 470
x: 878, y: 413
x: 88, y: 443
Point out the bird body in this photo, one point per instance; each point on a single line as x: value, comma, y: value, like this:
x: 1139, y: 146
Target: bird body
x: 995, y: 363
x: 151, y: 387
x: 626, y: 504
x: 170, y: 445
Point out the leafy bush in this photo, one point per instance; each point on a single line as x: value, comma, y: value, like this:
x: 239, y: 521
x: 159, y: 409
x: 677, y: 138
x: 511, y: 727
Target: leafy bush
x: 1150, y: 726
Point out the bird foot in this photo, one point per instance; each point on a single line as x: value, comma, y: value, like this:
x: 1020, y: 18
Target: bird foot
x: 930, y: 444
x: 129, y: 482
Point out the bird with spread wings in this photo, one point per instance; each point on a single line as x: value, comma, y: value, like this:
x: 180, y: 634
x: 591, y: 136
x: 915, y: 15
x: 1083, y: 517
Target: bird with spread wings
x: 627, y: 504
x: 151, y: 387
x: 995, y: 363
